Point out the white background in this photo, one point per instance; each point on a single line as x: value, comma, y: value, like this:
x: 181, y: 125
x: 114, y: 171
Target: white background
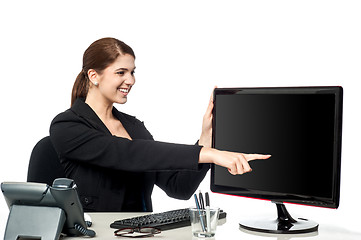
x: 183, y: 49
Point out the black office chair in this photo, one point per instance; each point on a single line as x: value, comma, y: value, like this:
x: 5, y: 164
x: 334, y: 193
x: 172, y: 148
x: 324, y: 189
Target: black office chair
x: 44, y: 165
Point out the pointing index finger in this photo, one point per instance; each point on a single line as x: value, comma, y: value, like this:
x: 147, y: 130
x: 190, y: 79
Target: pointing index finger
x: 250, y: 157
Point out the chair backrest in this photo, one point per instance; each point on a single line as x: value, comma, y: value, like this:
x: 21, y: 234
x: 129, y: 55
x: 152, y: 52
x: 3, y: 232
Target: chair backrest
x: 44, y: 164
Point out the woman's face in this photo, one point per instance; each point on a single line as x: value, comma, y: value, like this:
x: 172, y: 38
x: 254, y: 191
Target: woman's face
x: 116, y: 81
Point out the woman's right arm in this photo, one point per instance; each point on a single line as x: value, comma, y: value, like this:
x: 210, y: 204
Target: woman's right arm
x: 236, y: 163
x: 78, y: 139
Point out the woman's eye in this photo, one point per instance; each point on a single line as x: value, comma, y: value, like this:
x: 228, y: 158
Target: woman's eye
x: 120, y: 73
x: 133, y: 72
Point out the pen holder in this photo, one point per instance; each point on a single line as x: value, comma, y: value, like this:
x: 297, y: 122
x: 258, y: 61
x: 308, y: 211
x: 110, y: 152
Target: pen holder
x: 204, y: 221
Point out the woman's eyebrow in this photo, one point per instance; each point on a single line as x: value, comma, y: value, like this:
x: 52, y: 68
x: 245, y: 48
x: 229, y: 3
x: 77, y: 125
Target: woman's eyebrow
x: 124, y: 69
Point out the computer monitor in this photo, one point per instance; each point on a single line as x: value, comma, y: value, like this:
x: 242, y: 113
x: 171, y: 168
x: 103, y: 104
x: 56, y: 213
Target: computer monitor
x: 301, y: 128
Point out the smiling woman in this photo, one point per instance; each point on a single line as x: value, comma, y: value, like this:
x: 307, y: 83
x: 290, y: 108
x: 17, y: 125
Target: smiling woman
x: 111, y: 156
x: 113, y: 84
x: 106, y: 54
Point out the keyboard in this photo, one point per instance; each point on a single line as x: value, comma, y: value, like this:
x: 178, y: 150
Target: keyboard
x: 163, y: 221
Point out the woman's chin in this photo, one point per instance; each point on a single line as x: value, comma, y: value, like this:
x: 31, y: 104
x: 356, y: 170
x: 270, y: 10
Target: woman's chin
x: 121, y: 101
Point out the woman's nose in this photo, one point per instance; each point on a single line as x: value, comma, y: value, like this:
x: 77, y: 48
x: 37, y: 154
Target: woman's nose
x: 130, y: 80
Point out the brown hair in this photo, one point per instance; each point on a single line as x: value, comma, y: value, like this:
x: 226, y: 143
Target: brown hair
x: 98, y: 56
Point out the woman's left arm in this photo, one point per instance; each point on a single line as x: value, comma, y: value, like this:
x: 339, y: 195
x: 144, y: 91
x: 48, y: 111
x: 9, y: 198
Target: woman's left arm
x: 206, y: 135
x: 182, y: 184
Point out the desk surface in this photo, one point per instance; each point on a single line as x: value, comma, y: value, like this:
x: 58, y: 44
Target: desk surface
x: 227, y: 230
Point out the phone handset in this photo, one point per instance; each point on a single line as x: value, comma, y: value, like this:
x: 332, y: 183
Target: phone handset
x: 75, y: 215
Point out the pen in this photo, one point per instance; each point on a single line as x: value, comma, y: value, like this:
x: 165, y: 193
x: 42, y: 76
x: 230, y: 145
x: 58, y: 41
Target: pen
x: 201, y: 200
x: 208, y: 213
x: 199, y: 212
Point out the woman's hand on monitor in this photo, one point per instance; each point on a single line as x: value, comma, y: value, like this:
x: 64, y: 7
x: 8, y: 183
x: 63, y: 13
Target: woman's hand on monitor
x: 236, y: 163
x: 206, y: 136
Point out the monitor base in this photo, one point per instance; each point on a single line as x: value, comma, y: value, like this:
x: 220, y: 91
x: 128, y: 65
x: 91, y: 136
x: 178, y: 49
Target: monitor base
x: 284, y: 224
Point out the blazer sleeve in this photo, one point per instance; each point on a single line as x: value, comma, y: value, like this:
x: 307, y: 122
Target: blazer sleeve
x: 181, y: 184
x: 76, y: 139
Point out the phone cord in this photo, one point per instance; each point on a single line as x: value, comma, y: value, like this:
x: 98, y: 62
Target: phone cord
x: 84, y: 231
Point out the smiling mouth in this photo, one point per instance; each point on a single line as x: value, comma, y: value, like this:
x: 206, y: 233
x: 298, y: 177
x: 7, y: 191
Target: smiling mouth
x: 124, y: 90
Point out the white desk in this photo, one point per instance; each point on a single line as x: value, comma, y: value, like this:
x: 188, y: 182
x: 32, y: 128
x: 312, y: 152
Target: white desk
x: 228, y: 230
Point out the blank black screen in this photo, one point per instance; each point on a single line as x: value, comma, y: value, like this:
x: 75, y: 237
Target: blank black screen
x: 296, y: 129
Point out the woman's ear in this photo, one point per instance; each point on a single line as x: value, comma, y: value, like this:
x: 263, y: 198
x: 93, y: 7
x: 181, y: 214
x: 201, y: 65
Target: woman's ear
x: 93, y: 77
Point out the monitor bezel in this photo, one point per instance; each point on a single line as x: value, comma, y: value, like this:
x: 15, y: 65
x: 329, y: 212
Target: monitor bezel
x: 333, y: 201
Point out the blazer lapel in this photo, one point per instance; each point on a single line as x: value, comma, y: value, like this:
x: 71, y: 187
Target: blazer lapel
x: 127, y: 121
x: 83, y: 110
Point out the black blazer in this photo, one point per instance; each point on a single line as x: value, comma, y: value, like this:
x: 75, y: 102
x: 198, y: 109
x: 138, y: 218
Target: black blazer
x: 117, y: 174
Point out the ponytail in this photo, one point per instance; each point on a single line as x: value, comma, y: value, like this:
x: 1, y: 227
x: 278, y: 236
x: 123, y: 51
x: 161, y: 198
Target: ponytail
x: 80, y: 88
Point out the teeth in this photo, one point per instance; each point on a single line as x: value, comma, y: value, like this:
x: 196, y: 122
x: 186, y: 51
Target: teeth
x: 124, y: 90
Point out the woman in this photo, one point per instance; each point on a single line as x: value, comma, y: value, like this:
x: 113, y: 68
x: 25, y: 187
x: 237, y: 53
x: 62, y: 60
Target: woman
x: 111, y: 156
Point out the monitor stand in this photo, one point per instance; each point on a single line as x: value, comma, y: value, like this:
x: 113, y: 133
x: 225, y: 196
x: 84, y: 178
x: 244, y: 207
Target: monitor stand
x: 284, y: 224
